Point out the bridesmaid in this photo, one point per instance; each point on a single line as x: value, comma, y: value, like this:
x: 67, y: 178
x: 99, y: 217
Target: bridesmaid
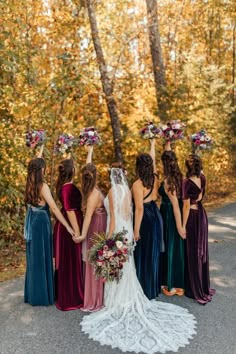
x: 172, y: 260
x: 39, y: 285
x: 197, y: 285
x: 69, y: 285
x: 95, y: 221
x: 148, y: 228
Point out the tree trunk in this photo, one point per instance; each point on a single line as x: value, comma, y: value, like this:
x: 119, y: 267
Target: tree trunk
x: 157, y: 60
x: 233, y: 65
x: 106, y: 82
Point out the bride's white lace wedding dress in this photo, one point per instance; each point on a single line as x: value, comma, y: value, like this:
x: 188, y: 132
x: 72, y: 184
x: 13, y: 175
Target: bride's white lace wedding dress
x: 129, y: 321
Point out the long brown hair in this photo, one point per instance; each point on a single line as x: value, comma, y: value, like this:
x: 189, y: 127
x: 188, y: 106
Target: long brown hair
x: 194, y: 166
x: 145, y: 170
x: 34, y: 181
x: 172, y: 172
x: 66, y: 171
x: 89, y: 179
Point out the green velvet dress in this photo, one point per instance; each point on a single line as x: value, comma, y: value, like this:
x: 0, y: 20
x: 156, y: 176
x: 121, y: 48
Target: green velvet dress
x: 172, y: 260
x: 39, y: 282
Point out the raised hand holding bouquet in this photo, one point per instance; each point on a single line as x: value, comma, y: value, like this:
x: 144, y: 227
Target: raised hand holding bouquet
x: 173, y: 130
x: 109, y: 255
x: 150, y: 131
x: 200, y: 141
x: 89, y: 136
x: 35, y: 139
x: 65, y: 142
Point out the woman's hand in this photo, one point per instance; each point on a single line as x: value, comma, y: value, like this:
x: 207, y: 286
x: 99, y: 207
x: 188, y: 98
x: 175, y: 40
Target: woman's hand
x: 182, y: 232
x: 167, y: 146
x: 78, y: 238
x: 136, y: 237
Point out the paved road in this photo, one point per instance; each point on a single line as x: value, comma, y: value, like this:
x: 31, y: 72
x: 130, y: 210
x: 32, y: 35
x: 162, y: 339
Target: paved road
x: 36, y: 330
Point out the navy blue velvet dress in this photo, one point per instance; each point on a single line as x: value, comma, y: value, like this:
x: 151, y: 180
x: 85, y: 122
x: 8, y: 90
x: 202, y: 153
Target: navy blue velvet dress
x: 148, y: 248
x: 39, y: 282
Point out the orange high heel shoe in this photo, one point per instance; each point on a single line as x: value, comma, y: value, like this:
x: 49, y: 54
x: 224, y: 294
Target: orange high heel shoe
x: 167, y: 292
x: 179, y: 291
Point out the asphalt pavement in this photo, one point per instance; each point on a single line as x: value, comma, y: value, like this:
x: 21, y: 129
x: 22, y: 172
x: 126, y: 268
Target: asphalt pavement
x: 45, y: 330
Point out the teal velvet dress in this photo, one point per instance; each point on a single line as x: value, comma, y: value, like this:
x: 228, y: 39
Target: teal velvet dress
x: 39, y: 282
x: 172, y: 260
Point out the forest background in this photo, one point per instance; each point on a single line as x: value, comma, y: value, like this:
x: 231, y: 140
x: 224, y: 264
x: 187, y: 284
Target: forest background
x: 55, y: 75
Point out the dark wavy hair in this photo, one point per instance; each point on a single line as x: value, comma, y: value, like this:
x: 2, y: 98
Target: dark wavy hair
x: 194, y: 165
x: 145, y: 170
x: 172, y: 172
x: 66, y: 171
x: 34, y: 181
x: 89, y: 179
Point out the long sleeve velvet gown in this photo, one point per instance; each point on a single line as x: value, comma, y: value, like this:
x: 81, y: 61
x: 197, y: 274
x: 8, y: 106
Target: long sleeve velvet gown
x: 69, y: 285
x: 197, y: 279
x: 172, y: 260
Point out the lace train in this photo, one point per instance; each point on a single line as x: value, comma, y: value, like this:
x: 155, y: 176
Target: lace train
x: 148, y: 327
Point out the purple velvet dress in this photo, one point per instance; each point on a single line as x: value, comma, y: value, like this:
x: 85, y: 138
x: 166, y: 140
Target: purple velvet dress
x: 197, y: 279
x: 69, y: 284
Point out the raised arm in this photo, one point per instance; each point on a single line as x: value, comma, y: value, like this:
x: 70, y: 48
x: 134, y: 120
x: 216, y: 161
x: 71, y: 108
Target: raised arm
x: 137, y: 190
x: 112, y: 215
x: 177, y: 214
x: 152, y: 152
x: 89, y: 154
x: 46, y: 193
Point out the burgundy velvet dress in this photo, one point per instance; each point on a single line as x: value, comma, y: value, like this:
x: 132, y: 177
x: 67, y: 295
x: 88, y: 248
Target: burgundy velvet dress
x: 93, y: 288
x: 69, y: 285
x: 197, y: 279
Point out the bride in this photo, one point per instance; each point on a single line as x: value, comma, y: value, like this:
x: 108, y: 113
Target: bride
x: 129, y: 321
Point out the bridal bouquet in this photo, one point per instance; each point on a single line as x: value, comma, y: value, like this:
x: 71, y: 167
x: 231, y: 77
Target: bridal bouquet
x: 109, y: 255
x: 150, y: 131
x: 35, y: 138
x: 173, y: 130
x: 201, y: 141
x: 64, y: 143
x: 89, y: 136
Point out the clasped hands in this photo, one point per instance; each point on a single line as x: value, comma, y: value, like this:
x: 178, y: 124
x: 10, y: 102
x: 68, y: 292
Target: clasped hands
x: 77, y: 238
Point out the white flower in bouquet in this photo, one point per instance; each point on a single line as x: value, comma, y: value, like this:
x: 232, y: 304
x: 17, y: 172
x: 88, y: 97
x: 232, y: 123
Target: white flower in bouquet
x: 91, y: 133
x: 119, y: 244
x: 202, y: 138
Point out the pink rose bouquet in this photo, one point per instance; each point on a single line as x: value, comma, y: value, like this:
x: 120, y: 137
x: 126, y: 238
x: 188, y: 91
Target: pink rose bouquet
x: 150, y: 131
x: 109, y: 255
x: 173, y: 130
x: 201, y: 141
x: 64, y: 143
x: 35, y: 138
x: 89, y: 136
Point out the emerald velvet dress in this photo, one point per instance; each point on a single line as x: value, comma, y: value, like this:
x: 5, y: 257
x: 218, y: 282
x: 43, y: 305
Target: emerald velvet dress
x: 172, y: 260
x: 39, y: 282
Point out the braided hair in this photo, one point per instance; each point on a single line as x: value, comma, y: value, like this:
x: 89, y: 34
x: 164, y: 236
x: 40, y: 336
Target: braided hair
x: 89, y: 179
x: 145, y: 169
x: 66, y: 171
x: 194, y: 166
x: 34, y: 181
x: 172, y: 172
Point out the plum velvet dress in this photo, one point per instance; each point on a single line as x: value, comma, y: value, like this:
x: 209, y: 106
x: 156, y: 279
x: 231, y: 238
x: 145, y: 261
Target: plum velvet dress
x: 197, y: 279
x: 69, y: 285
x: 93, y: 288
x: 172, y: 260
x: 39, y: 282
